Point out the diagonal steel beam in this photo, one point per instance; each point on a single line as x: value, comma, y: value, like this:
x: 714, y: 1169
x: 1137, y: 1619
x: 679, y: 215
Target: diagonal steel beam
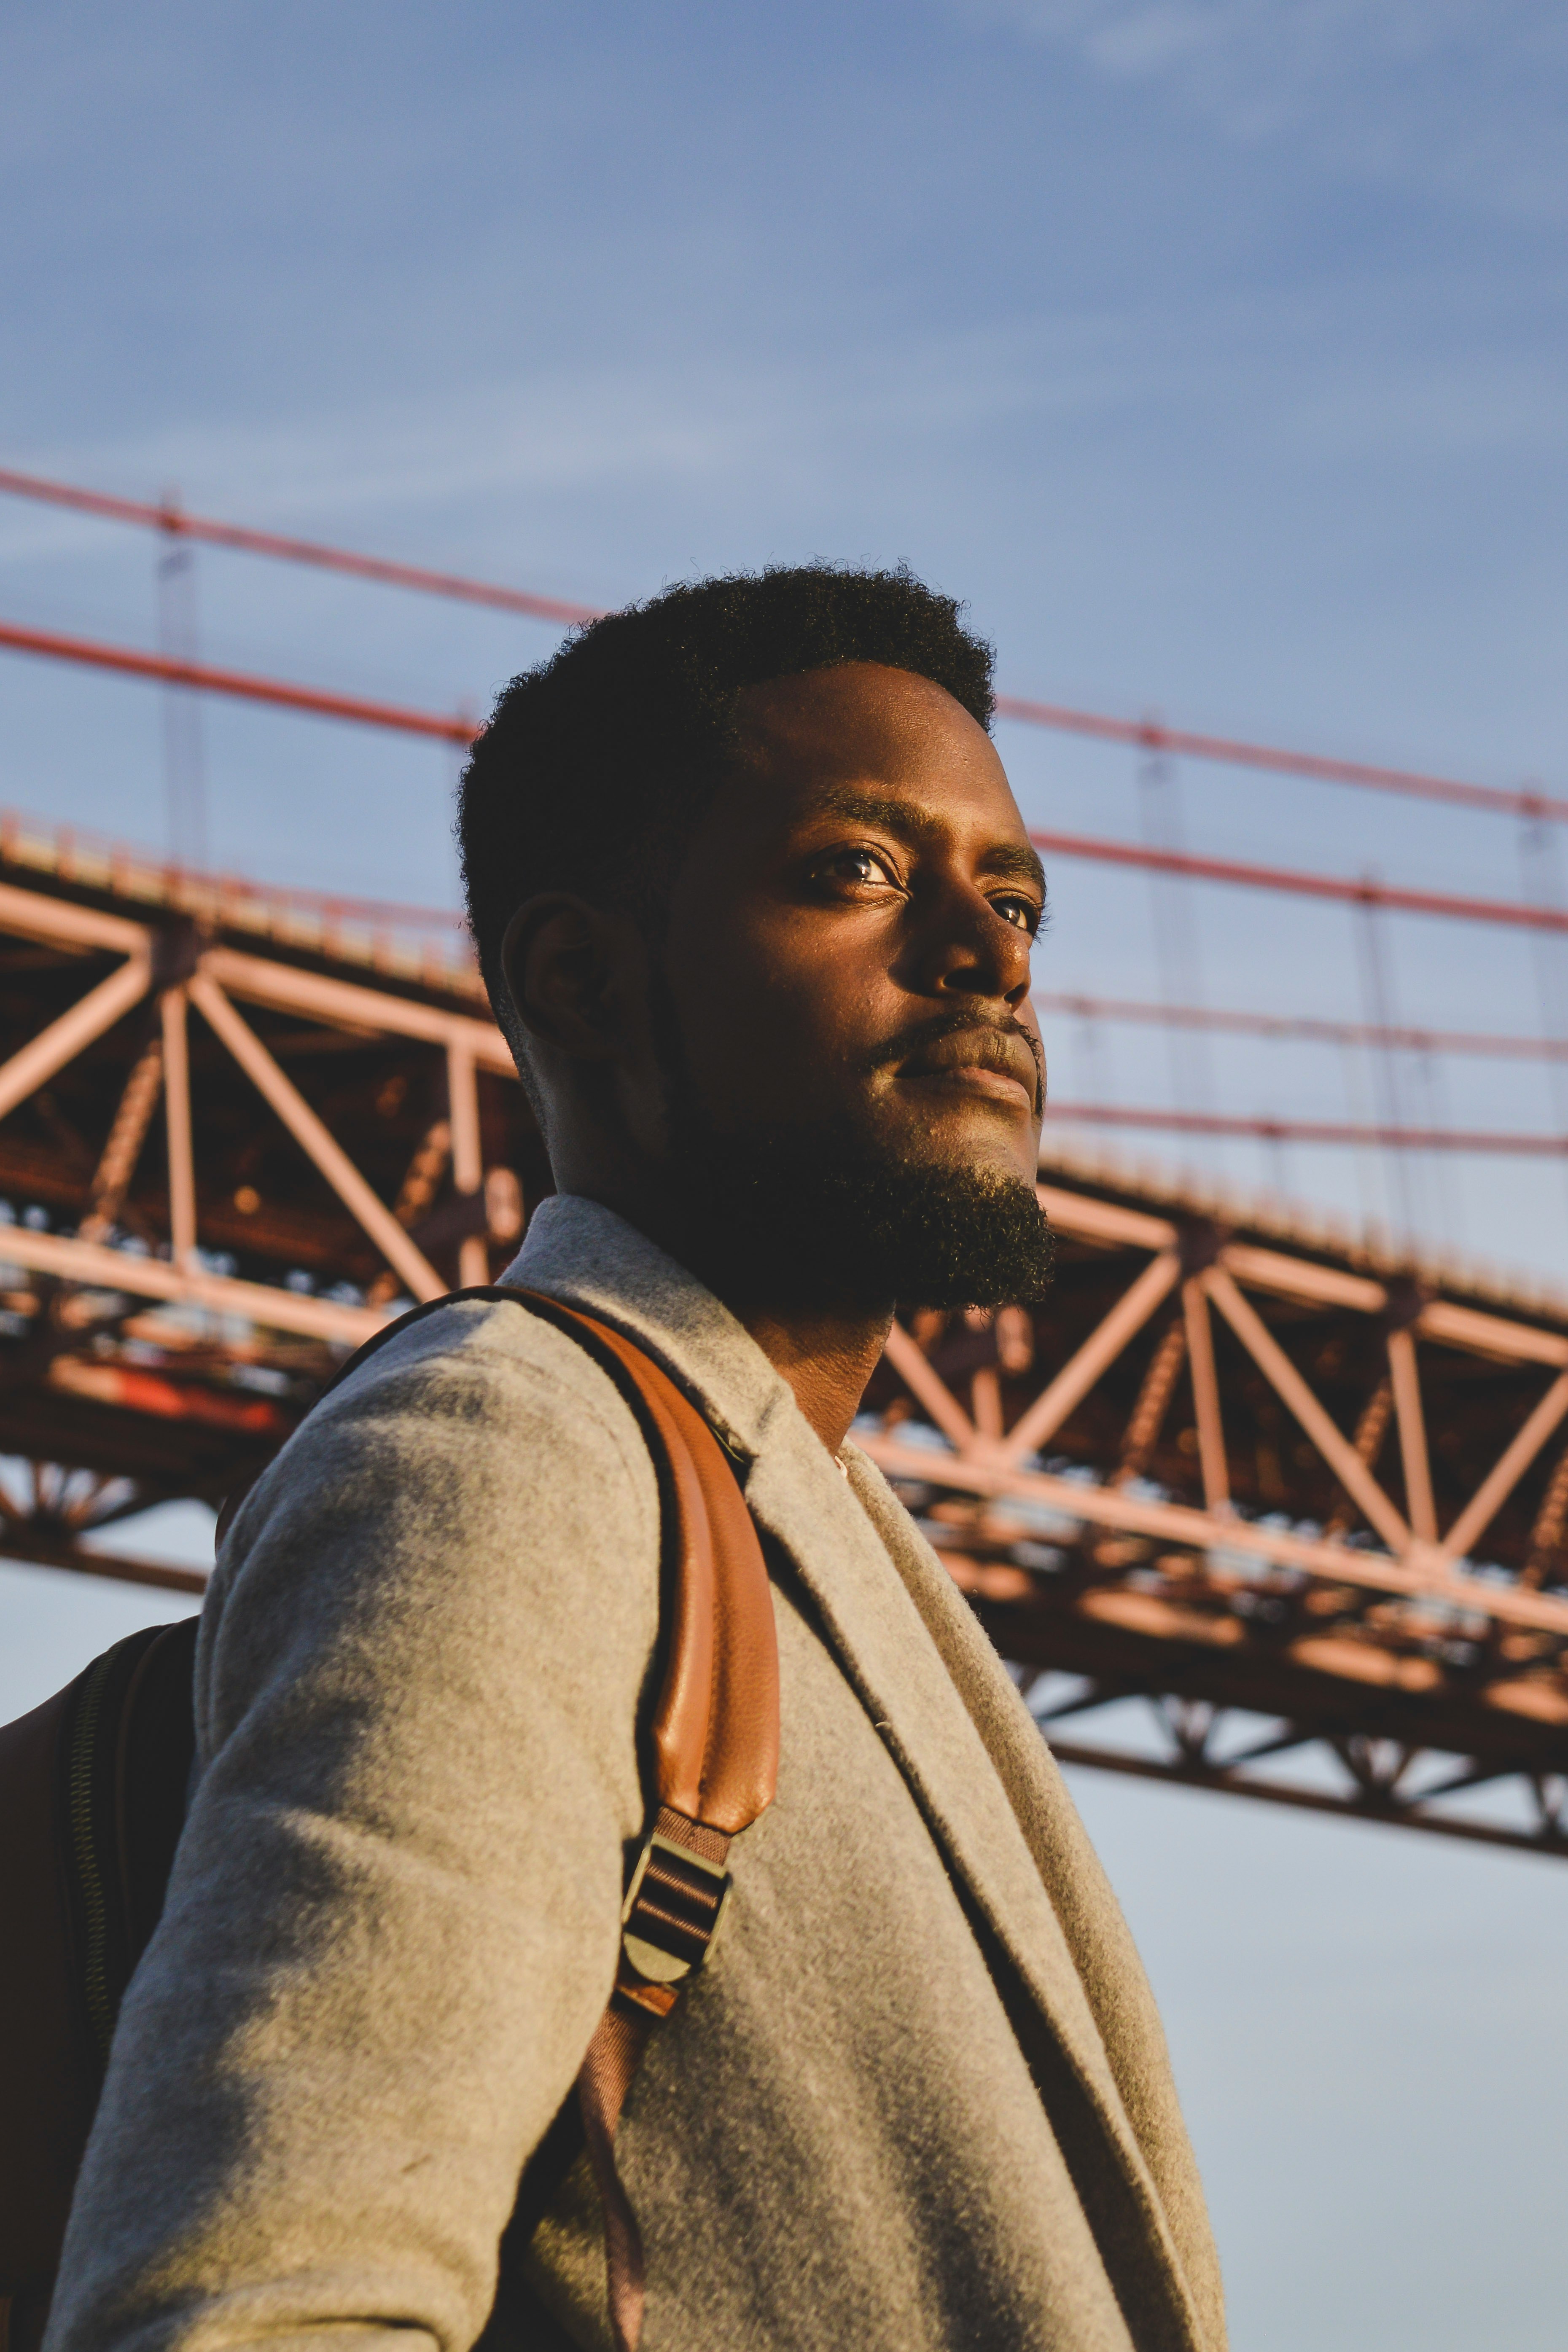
x: 1292, y: 1390
x: 1056, y: 1403
x: 1546, y: 1535
x: 1147, y: 1418
x: 1213, y: 1460
x: 467, y: 1162
x: 117, y: 1163
x: 1506, y: 1473
x: 309, y: 1131
x: 1414, y: 1458
x: 177, y: 1123
x: 64, y: 1039
x: 927, y: 1388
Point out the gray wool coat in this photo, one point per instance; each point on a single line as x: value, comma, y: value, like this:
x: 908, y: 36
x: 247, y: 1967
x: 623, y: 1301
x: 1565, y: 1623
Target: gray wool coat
x: 919, y: 2097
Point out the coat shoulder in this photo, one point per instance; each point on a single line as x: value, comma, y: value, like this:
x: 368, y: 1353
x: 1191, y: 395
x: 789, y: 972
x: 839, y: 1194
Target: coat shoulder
x: 500, y: 1390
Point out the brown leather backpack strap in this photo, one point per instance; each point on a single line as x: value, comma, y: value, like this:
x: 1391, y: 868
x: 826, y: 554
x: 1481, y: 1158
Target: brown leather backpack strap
x: 613, y: 2056
x: 716, y: 1728
x: 716, y: 1748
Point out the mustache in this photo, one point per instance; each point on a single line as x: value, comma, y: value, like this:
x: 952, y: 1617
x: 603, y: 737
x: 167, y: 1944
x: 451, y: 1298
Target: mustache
x: 918, y: 1036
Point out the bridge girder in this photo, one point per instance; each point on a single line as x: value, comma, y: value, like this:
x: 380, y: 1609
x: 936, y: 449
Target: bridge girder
x: 1300, y: 1511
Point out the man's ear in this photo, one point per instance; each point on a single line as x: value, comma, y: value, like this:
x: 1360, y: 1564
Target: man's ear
x: 566, y: 965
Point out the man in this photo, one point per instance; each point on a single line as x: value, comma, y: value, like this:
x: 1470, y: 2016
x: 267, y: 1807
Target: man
x: 754, y: 905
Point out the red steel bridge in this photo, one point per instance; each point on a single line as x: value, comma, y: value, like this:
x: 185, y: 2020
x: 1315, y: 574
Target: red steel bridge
x: 1255, y: 1505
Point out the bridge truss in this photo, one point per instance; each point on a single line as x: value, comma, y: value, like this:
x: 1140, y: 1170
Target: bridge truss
x: 1293, y: 1515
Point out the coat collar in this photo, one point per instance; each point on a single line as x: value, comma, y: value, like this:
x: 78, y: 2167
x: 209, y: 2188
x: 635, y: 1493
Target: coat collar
x: 586, y: 1254
x: 900, y: 1629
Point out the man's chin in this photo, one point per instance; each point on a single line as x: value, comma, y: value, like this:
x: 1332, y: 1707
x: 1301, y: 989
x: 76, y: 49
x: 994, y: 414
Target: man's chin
x: 965, y: 1158
x: 799, y: 1218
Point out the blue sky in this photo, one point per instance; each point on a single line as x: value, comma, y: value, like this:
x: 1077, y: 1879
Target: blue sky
x: 1213, y: 350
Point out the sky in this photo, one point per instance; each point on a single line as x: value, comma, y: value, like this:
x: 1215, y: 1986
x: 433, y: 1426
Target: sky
x: 1213, y: 352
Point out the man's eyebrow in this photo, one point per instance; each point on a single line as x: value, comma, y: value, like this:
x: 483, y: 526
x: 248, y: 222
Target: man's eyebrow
x: 1011, y: 861
x: 1016, y: 864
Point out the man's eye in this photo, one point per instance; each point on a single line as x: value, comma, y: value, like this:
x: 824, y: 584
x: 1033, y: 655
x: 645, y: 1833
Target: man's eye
x: 1023, y: 912
x: 855, y: 865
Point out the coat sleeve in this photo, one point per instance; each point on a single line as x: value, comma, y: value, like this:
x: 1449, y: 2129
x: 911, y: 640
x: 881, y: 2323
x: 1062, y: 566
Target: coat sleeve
x: 393, y: 1921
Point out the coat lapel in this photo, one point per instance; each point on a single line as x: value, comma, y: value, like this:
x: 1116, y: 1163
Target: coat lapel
x: 884, y: 1640
x: 888, y: 1653
x: 897, y: 1624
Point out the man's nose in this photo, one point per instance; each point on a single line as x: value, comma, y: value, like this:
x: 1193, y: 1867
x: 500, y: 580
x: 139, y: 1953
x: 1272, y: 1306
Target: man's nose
x: 975, y: 951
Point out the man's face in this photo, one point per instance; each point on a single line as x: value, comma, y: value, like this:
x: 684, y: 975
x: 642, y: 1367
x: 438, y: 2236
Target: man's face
x: 848, y: 937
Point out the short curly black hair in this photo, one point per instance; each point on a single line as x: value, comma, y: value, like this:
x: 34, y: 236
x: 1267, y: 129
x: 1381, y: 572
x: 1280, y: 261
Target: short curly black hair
x: 596, y: 766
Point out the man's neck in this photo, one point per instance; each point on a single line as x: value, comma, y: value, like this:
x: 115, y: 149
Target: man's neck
x: 826, y: 1356
x: 826, y: 1359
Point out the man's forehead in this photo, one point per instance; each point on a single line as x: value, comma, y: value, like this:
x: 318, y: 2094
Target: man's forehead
x: 862, y: 703
x: 881, y: 746
x: 862, y: 722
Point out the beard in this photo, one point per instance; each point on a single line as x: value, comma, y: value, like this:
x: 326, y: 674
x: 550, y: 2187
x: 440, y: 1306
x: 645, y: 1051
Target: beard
x: 787, y: 1217
x: 826, y: 1216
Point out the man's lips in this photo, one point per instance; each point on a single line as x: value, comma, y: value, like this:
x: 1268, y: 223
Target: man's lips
x: 979, y: 1061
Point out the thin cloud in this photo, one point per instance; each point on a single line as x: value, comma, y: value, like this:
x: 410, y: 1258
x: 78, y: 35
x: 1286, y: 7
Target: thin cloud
x: 1462, y: 98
